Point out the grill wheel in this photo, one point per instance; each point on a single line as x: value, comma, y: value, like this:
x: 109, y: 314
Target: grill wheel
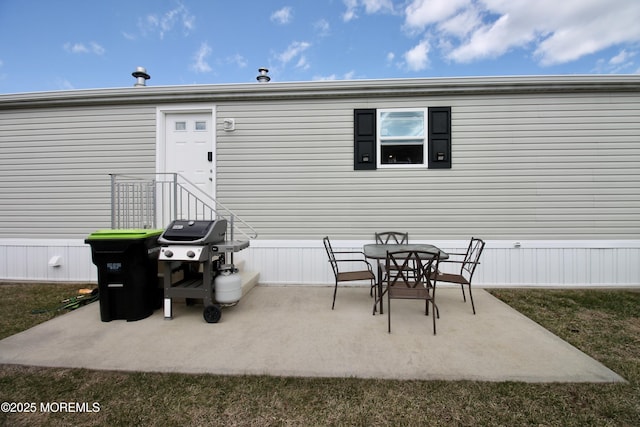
x: 212, y: 313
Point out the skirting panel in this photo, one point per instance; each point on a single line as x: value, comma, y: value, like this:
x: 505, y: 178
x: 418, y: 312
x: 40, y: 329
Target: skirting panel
x: 503, y: 263
x: 50, y: 260
x: 304, y: 262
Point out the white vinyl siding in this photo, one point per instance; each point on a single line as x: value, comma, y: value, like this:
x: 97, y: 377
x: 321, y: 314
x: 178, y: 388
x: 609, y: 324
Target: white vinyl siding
x: 532, y: 164
x: 535, y: 166
x: 55, y: 166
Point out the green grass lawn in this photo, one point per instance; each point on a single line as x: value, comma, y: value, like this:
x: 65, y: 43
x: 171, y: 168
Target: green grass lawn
x: 603, y: 323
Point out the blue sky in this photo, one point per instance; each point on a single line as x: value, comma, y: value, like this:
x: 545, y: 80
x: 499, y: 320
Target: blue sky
x: 50, y: 45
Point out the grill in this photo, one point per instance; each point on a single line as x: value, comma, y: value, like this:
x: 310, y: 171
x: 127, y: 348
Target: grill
x: 193, y: 253
x: 189, y: 240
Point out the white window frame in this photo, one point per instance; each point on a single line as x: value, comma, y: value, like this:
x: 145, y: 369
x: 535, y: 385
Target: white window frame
x: 380, y: 139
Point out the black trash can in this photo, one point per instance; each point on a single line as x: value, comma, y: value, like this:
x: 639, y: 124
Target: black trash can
x: 127, y: 262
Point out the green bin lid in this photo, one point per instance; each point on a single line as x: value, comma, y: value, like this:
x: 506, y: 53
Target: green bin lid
x: 128, y: 234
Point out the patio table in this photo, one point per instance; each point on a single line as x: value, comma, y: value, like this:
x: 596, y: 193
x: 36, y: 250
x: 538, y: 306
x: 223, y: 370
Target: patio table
x: 378, y: 251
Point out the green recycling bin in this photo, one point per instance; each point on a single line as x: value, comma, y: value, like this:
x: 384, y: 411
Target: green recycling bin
x: 127, y: 262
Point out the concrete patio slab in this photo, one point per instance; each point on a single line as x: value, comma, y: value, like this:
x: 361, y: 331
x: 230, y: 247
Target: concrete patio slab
x: 292, y: 331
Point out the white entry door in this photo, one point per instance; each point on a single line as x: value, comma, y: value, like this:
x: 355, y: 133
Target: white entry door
x: 189, y: 148
x: 189, y: 151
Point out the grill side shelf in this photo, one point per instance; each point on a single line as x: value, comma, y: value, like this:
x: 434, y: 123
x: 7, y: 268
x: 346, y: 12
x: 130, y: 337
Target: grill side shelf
x: 231, y: 246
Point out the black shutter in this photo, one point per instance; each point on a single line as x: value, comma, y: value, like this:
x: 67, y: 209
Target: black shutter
x: 364, y: 139
x: 440, y: 138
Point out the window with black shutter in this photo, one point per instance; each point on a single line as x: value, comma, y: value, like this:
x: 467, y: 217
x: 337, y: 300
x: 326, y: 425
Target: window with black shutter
x: 402, y: 138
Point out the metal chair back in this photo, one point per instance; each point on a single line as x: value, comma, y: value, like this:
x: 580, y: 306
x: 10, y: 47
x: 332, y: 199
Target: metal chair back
x: 331, y: 256
x: 396, y: 237
x: 472, y: 258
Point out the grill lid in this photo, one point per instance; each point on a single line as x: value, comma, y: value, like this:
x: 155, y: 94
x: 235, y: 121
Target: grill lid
x: 194, y: 231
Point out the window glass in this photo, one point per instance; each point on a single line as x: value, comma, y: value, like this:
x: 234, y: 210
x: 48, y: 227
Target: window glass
x: 181, y: 125
x: 401, y: 124
x: 401, y: 137
x: 201, y: 125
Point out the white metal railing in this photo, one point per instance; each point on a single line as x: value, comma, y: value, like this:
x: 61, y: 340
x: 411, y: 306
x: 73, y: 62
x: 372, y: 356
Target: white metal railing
x: 153, y: 201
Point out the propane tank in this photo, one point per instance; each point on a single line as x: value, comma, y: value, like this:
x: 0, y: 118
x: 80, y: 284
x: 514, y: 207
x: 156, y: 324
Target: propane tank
x: 228, y: 287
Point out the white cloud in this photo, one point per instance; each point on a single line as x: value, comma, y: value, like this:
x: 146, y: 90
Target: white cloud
x: 620, y: 58
x: 303, y: 63
x: 91, y: 47
x: 620, y: 63
x: 375, y: 6
x: 420, y: 13
x: 323, y: 27
x: 463, y: 23
x: 326, y: 78
x: 282, y: 16
x: 417, y: 58
x: 238, y: 60
x: 96, y: 48
x: 64, y: 84
x: 350, y: 75
x: 295, y: 49
x: 555, y: 31
x: 200, y: 64
x: 490, y: 41
x: 164, y: 23
x: 369, y: 6
x: 350, y: 13
x: 347, y: 76
x: 589, y: 30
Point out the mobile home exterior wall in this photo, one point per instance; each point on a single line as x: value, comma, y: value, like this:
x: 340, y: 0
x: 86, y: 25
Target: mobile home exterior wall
x: 549, y: 166
x: 545, y: 169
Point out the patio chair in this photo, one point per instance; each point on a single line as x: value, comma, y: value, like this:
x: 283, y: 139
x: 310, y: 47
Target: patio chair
x: 408, y: 276
x: 468, y: 264
x: 390, y: 237
x: 348, y: 276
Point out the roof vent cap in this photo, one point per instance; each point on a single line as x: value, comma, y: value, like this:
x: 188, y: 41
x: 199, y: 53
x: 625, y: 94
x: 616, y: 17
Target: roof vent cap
x: 263, y: 76
x: 141, y: 75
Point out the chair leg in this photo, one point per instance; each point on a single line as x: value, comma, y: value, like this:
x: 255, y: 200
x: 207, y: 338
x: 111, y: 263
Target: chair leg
x: 335, y: 290
x: 389, y: 315
x: 471, y: 298
x: 433, y: 302
x: 463, y: 297
x: 435, y: 310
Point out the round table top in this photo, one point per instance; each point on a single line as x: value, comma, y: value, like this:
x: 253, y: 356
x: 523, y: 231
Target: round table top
x: 379, y: 250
